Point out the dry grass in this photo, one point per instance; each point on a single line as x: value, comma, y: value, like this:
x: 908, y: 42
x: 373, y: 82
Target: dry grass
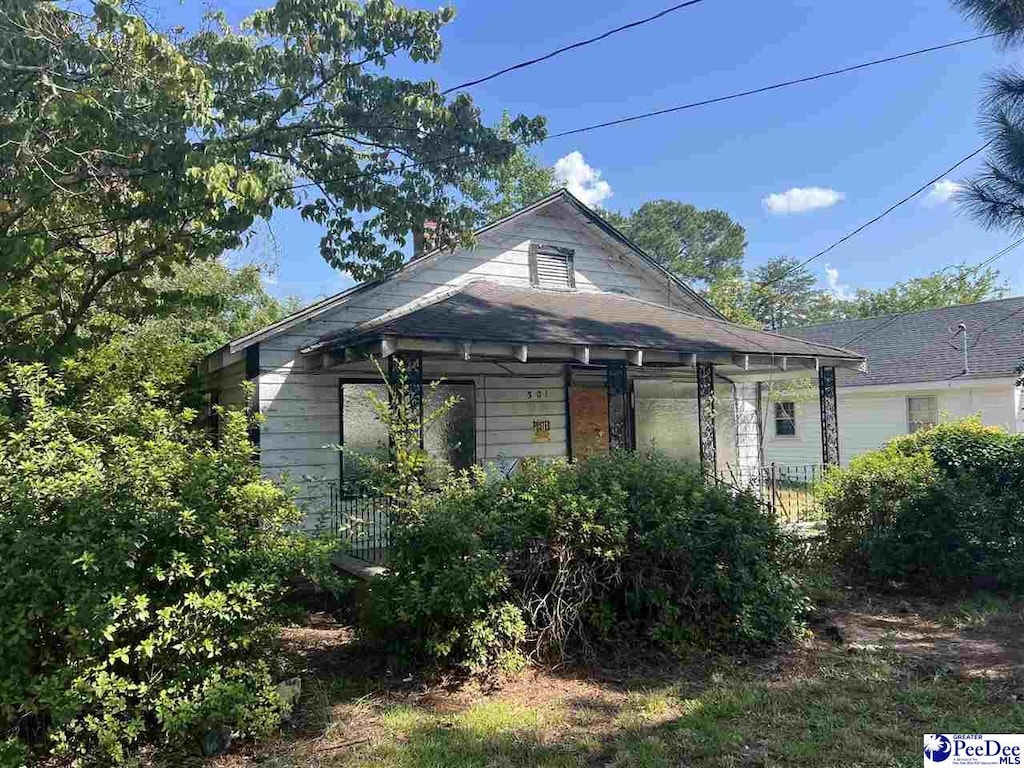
x: 875, y: 675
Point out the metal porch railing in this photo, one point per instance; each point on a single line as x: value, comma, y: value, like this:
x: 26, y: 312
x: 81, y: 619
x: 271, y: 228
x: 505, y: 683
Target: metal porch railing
x: 363, y: 522
x: 787, y: 490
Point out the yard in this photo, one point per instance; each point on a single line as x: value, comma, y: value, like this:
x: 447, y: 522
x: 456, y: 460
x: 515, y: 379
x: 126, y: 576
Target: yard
x: 875, y: 674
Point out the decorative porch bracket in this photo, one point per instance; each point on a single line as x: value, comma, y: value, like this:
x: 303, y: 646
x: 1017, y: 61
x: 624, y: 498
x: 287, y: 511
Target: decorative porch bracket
x: 619, y: 436
x: 411, y: 388
x: 706, y: 417
x: 829, y: 417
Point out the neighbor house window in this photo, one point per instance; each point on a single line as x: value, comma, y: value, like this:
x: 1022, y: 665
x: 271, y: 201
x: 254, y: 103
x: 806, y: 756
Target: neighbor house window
x: 785, y: 419
x: 551, y: 267
x: 922, y: 412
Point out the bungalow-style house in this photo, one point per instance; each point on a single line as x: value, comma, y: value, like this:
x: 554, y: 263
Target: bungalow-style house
x: 561, y: 338
x: 926, y: 367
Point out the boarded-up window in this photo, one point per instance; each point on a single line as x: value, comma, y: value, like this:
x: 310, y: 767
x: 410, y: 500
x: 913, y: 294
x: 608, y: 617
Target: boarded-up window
x: 588, y: 414
x: 922, y: 412
x: 552, y: 267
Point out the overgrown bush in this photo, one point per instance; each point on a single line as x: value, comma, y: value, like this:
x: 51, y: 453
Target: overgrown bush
x: 941, y: 508
x: 140, y: 573
x: 566, y: 559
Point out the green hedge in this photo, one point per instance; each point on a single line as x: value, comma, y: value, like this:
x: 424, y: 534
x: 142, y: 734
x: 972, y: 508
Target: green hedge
x: 141, y: 570
x: 941, y: 508
x: 564, y: 559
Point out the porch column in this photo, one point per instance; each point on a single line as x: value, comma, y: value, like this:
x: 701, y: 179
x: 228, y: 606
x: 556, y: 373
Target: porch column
x: 706, y: 417
x: 829, y: 418
x: 411, y: 389
x: 619, y: 432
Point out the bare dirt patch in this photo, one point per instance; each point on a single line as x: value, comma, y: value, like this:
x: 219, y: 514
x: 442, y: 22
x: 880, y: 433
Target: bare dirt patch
x: 874, y: 672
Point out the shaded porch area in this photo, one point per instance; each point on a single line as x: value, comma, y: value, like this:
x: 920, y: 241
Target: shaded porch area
x: 558, y: 373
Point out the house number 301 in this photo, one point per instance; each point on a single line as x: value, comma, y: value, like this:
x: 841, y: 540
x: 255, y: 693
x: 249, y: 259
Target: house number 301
x: 534, y: 394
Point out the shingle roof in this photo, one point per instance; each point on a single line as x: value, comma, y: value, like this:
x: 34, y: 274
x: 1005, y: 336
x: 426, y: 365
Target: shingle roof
x: 915, y: 347
x: 488, y: 312
x: 324, y: 305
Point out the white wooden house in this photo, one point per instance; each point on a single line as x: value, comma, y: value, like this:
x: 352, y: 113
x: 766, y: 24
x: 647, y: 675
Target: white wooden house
x: 926, y: 367
x: 559, y: 335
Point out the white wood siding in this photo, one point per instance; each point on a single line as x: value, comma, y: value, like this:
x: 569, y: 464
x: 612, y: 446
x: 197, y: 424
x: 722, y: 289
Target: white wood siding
x: 301, y: 407
x: 870, y: 416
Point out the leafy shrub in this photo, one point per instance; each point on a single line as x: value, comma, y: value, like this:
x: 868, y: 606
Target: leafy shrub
x: 942, y: 507
x: 140, y: 570
x: 562, y: 559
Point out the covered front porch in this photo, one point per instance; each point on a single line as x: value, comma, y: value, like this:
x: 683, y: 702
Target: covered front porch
x: 549, y: 374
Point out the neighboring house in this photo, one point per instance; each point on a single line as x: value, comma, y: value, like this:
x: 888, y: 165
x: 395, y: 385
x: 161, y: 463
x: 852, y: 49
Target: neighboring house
x: 559, y: 336
x: 916, y: 378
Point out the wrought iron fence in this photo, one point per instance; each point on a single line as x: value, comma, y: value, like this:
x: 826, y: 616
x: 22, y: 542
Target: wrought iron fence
x: 786, y: 489
x: 363, y: 522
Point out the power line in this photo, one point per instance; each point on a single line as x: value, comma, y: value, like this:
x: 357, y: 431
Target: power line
x: 470, y: 158
x: 876, y: 219
x: 772, y: 87
x: 573, y: 46
x: 1001, y: 320
x: 922, y: 304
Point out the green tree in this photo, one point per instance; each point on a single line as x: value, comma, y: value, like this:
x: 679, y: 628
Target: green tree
x: 781, y: 293
x: 701, y: 247
x: 126, y: 152
x: 939, y: 289
x: 513, y: 185
x: 201, y: 307
x: 996, y: 195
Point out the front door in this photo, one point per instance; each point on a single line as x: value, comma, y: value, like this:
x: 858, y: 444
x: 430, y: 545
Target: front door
x: 588, y: 418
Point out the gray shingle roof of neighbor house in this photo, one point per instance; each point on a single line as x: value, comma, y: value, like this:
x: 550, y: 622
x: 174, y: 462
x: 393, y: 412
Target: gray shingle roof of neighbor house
x: 915, y: 347
x: 488, y: 312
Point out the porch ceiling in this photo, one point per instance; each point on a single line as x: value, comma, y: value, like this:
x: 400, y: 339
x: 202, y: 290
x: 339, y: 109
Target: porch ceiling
x: 485, y: 319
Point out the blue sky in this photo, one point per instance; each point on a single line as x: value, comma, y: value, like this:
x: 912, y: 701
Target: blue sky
x: 872, y: 136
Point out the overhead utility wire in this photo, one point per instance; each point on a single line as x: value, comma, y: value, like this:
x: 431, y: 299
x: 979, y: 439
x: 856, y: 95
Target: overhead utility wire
x: 573, y: 46
x: 773, y: 87
x: 463, y: 156
x: 876, y: 219
x: 885, y: 323
x: 994, y: 323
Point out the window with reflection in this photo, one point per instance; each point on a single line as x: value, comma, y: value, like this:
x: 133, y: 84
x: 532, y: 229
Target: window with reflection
x: 666, y: 418
x: 362, y: 433
x: 452, y: 438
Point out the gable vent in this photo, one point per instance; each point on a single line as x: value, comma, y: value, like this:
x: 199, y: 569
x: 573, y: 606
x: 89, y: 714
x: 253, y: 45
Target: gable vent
x: 551, y: 267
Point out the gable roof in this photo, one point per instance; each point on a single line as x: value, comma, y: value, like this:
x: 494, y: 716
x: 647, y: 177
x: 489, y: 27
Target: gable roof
x: 331, y: 302
x: 483, y: 311
x: 915, y: 347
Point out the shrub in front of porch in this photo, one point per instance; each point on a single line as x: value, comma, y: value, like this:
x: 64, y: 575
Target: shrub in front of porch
x: 566, y: 560
x: 941, y: 508
x: 141, y: 573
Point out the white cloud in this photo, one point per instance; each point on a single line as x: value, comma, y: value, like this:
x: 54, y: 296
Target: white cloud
x: 583, y: 181
x: 839, y: 290
x: 941, y: 192
x: 801, y: 199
